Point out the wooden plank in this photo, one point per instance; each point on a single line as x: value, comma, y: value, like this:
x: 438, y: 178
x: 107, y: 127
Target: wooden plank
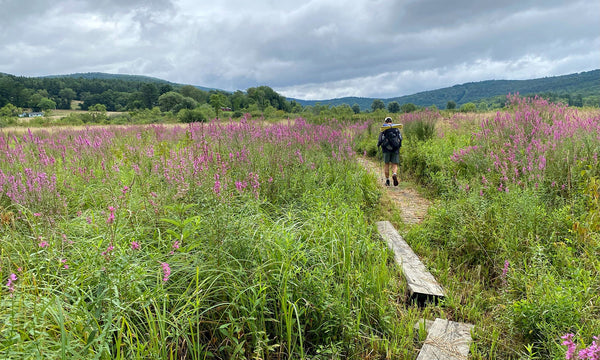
x: 421, y: 284
x: 447, y: 340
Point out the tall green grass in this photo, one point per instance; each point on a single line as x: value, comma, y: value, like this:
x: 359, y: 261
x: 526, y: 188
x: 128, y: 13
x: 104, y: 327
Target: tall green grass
x: 515, y: 233
x: 211, y: 241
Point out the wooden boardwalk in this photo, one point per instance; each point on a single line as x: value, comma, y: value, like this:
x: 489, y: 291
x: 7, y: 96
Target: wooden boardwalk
x: 421, y: 284
x: 446, y: 340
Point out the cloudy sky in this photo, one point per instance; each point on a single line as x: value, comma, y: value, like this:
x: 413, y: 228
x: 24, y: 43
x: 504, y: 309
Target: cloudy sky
x: 310, y: 49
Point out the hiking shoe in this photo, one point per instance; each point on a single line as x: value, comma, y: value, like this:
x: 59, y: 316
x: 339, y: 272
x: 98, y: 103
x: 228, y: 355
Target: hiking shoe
x: 395, y: 177
x: 387, y: 182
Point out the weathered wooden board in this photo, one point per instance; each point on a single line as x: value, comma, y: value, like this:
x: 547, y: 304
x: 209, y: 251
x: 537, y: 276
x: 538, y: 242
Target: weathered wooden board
x: 447, y: 340
x: 421, y: 284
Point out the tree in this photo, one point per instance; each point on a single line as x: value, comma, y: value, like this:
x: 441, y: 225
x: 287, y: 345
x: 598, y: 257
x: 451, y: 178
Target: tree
x: 393, y: 107
x: 217, y: 101
x: 169, y: 100
x: 377, y: 105
x: 468, y: 107
x: 200, y: 96
x: 408, y: 107
x: 8, y: 110
x: 189, y: 116
x: 165, y: 88
x: 98, y: 108
x: 46, y: 104
x: 149, y: 95
x: 356, y: 108
x: 67, y: 95
x: 450, y: 105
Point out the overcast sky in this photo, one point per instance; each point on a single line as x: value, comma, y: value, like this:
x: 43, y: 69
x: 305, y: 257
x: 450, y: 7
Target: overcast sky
x: 312, y: 50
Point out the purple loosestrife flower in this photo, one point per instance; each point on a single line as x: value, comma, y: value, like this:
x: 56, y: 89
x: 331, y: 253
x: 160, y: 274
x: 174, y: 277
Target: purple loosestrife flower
x: 111, y: 216
x: 568, y: 342
x: 505, y: 269
x: 175, y: 247
x: 108, y: 250
x: 166, y: 271
x: 217, y: 187
x: 10, y: 284
x: 592, y: 352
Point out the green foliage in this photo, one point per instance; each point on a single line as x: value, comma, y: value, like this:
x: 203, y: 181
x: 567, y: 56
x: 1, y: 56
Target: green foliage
x: 393, y: 107
x: 524, y: 248
x: 143, y: 256
x: 408, y: 107
x: 45, y: 104
x: 419, y: 130
x: 377, y: 104
x: 190, y: 116
x: 450, y: 105
x: 468, y: 107
x: 98, y: 108
x: 9, y: 110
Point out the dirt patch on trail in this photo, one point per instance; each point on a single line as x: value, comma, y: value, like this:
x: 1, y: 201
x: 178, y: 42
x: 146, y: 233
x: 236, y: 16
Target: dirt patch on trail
x: 413, y: 207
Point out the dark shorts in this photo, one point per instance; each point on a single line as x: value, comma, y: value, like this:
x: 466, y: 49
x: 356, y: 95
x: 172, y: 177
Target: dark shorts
x: 391, y: 157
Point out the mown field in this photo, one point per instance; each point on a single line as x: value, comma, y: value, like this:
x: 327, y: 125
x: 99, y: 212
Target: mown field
x: 248, y: 239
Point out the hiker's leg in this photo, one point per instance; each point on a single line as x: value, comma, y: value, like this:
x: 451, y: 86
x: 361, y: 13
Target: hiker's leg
x: 386, y: 170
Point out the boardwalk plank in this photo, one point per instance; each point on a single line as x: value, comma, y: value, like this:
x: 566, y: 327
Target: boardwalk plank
x: 421, y: 284
x: 447, y: 340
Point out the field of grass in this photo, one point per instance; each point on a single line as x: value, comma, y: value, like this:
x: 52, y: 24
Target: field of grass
x: 239, y: 240
x: 514, y: 234
x: 249, y: 239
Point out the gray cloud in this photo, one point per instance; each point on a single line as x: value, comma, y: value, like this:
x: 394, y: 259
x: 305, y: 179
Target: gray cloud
x: 313, y: 50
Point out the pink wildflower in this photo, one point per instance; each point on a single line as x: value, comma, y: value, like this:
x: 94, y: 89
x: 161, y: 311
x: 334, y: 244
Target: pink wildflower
x: 135, y: 245
x: 108, y: 250
x: 111, y: 217
x: 175, y: 246
x: 592, y: 352
x: 10, y: 284
x: 166, y: 271
x: 37, y: 214
x: 568, y: 342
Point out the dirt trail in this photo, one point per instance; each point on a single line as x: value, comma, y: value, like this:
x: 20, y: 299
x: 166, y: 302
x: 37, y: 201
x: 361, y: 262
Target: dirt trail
x: 412, y: 205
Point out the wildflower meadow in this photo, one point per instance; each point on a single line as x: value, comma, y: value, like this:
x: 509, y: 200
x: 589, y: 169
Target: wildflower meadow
x: 515, y: 234
x: 254, y: 239
x: 207, y: 240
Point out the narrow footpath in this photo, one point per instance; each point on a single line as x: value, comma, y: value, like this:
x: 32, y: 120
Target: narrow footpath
x: 412, y: 205
x: 446, y: 340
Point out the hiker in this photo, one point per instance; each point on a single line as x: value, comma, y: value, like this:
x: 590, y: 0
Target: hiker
x: 390, y: 141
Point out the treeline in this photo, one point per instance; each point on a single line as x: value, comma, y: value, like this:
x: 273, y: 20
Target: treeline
x: 106, y: 92
x: 126, y: 95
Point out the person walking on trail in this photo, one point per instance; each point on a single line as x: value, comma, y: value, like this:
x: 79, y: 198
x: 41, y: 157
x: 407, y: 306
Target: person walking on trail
x: 390, y: 140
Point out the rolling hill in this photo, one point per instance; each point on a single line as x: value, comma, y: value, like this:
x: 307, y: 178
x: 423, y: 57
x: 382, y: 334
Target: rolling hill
x: 584, y: 83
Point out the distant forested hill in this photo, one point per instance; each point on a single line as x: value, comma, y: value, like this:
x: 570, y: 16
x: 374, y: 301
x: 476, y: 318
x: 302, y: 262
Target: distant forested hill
x: 128, y: 78
x: 130, y: 92
x: 584, y: 84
